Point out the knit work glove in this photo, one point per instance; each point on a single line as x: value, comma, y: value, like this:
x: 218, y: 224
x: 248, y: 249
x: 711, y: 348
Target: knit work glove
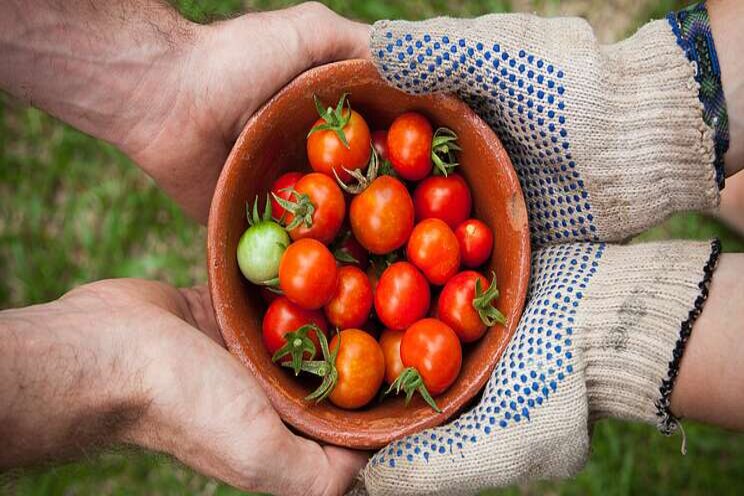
x: 607, y: 140
x: 600, y: 337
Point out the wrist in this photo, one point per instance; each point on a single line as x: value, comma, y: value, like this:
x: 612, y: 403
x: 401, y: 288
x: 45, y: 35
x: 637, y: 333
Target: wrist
x: 103, y: 69
x: 71, y: 382
x: 154, y: 93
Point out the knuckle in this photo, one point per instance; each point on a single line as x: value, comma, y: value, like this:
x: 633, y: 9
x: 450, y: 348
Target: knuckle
x: 314, y: 9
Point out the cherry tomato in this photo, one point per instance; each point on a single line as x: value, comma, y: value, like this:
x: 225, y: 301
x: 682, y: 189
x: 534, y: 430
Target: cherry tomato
x: 361, y: 368
x: 322, y: 203
x: 476, y: 242
x: 446, y: 198
x: 432, y: 348
x: 433, y: 248
x: 261, y: 247
x: 352, y: 301
x: 409, y: 146
x: 348, y: 250
x: 390, y: 344
x: 455, y: 307
x: 282, y: 317
x: 281, y: 188
x: 402, y: 296
x: 326, y: 152
x: 381, y: 216
x: 308, y: 274
x: 379, y: 142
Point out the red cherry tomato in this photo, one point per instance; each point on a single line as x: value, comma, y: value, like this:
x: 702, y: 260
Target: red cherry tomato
x: 281, y: 188
x: 390, y: 344
x: 456, y: 308
x: 446, y: 198
x: 361, y: 368
x: 352, y: 301
x: 476, y: 242
x: 409, y: 146
x: 381, y: 216
x: 326, y: 152
x: 328, y: 205
x: 402, y: 296
x: 432, y: 348
x: 282, y: 317
x: 379, y: 142
x: 308, y: 274
x: 434, y: 250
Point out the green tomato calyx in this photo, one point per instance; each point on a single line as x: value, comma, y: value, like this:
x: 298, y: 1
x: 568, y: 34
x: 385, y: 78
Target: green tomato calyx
x: 410, y: 381
x: 362, y: 181
x: 335, y: 119
x: 443, y: 151
x: 325, y: 368
x: 297, y: 344
x: 483, y: 303
x: 302, y: 209
x: 253, y: 216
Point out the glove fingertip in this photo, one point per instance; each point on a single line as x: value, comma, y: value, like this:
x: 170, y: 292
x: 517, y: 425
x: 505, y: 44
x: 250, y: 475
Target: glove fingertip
x: 403, y: 52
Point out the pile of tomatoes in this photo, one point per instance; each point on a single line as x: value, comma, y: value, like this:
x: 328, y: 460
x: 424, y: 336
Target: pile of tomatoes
x: 376, y: 241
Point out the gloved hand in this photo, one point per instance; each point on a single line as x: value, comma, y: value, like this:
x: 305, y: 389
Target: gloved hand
x: 607, y: 141
x: 600, y: 337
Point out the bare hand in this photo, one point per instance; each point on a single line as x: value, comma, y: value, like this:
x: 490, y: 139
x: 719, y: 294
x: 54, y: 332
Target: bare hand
x: 225, y: 72
x: 140, y: 362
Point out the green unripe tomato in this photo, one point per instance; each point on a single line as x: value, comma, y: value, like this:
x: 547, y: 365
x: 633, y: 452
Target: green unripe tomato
x: 260, y: 250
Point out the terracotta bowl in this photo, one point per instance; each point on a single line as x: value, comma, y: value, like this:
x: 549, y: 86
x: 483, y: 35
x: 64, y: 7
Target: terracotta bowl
x: 273, y: 142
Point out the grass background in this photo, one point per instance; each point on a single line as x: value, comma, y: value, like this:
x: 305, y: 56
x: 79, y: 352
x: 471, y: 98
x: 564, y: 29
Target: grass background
x: 73, y: 210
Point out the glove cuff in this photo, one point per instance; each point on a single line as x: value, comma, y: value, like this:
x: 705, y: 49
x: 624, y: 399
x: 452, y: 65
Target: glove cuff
x: 649, y: 150
x: 637, y: 317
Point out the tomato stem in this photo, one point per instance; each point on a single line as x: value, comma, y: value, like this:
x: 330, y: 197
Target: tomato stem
x: 483, y: 303
x: 410, y: 382
x: 297, y: 344
x: 443, y: 151
x: 302, y: 208
x: 335, y: 120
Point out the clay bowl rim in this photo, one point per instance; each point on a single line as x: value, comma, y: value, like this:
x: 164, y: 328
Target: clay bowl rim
x: 297, y: 418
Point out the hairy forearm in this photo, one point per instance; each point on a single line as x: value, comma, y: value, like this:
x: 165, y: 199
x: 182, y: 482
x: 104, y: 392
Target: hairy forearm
x: 727, y: 25
x: 65, y: 386
x: 710, y: 386
x: 96, y: 64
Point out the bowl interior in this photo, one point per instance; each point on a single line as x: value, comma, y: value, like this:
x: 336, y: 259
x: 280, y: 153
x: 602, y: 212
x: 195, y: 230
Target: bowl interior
x: 273, y: 142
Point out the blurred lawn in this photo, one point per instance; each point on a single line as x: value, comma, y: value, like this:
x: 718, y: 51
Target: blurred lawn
x: 74, y: 210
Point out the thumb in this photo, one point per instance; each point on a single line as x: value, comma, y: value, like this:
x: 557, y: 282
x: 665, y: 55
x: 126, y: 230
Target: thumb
x: 317, y: 470
x: 423, y: 56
